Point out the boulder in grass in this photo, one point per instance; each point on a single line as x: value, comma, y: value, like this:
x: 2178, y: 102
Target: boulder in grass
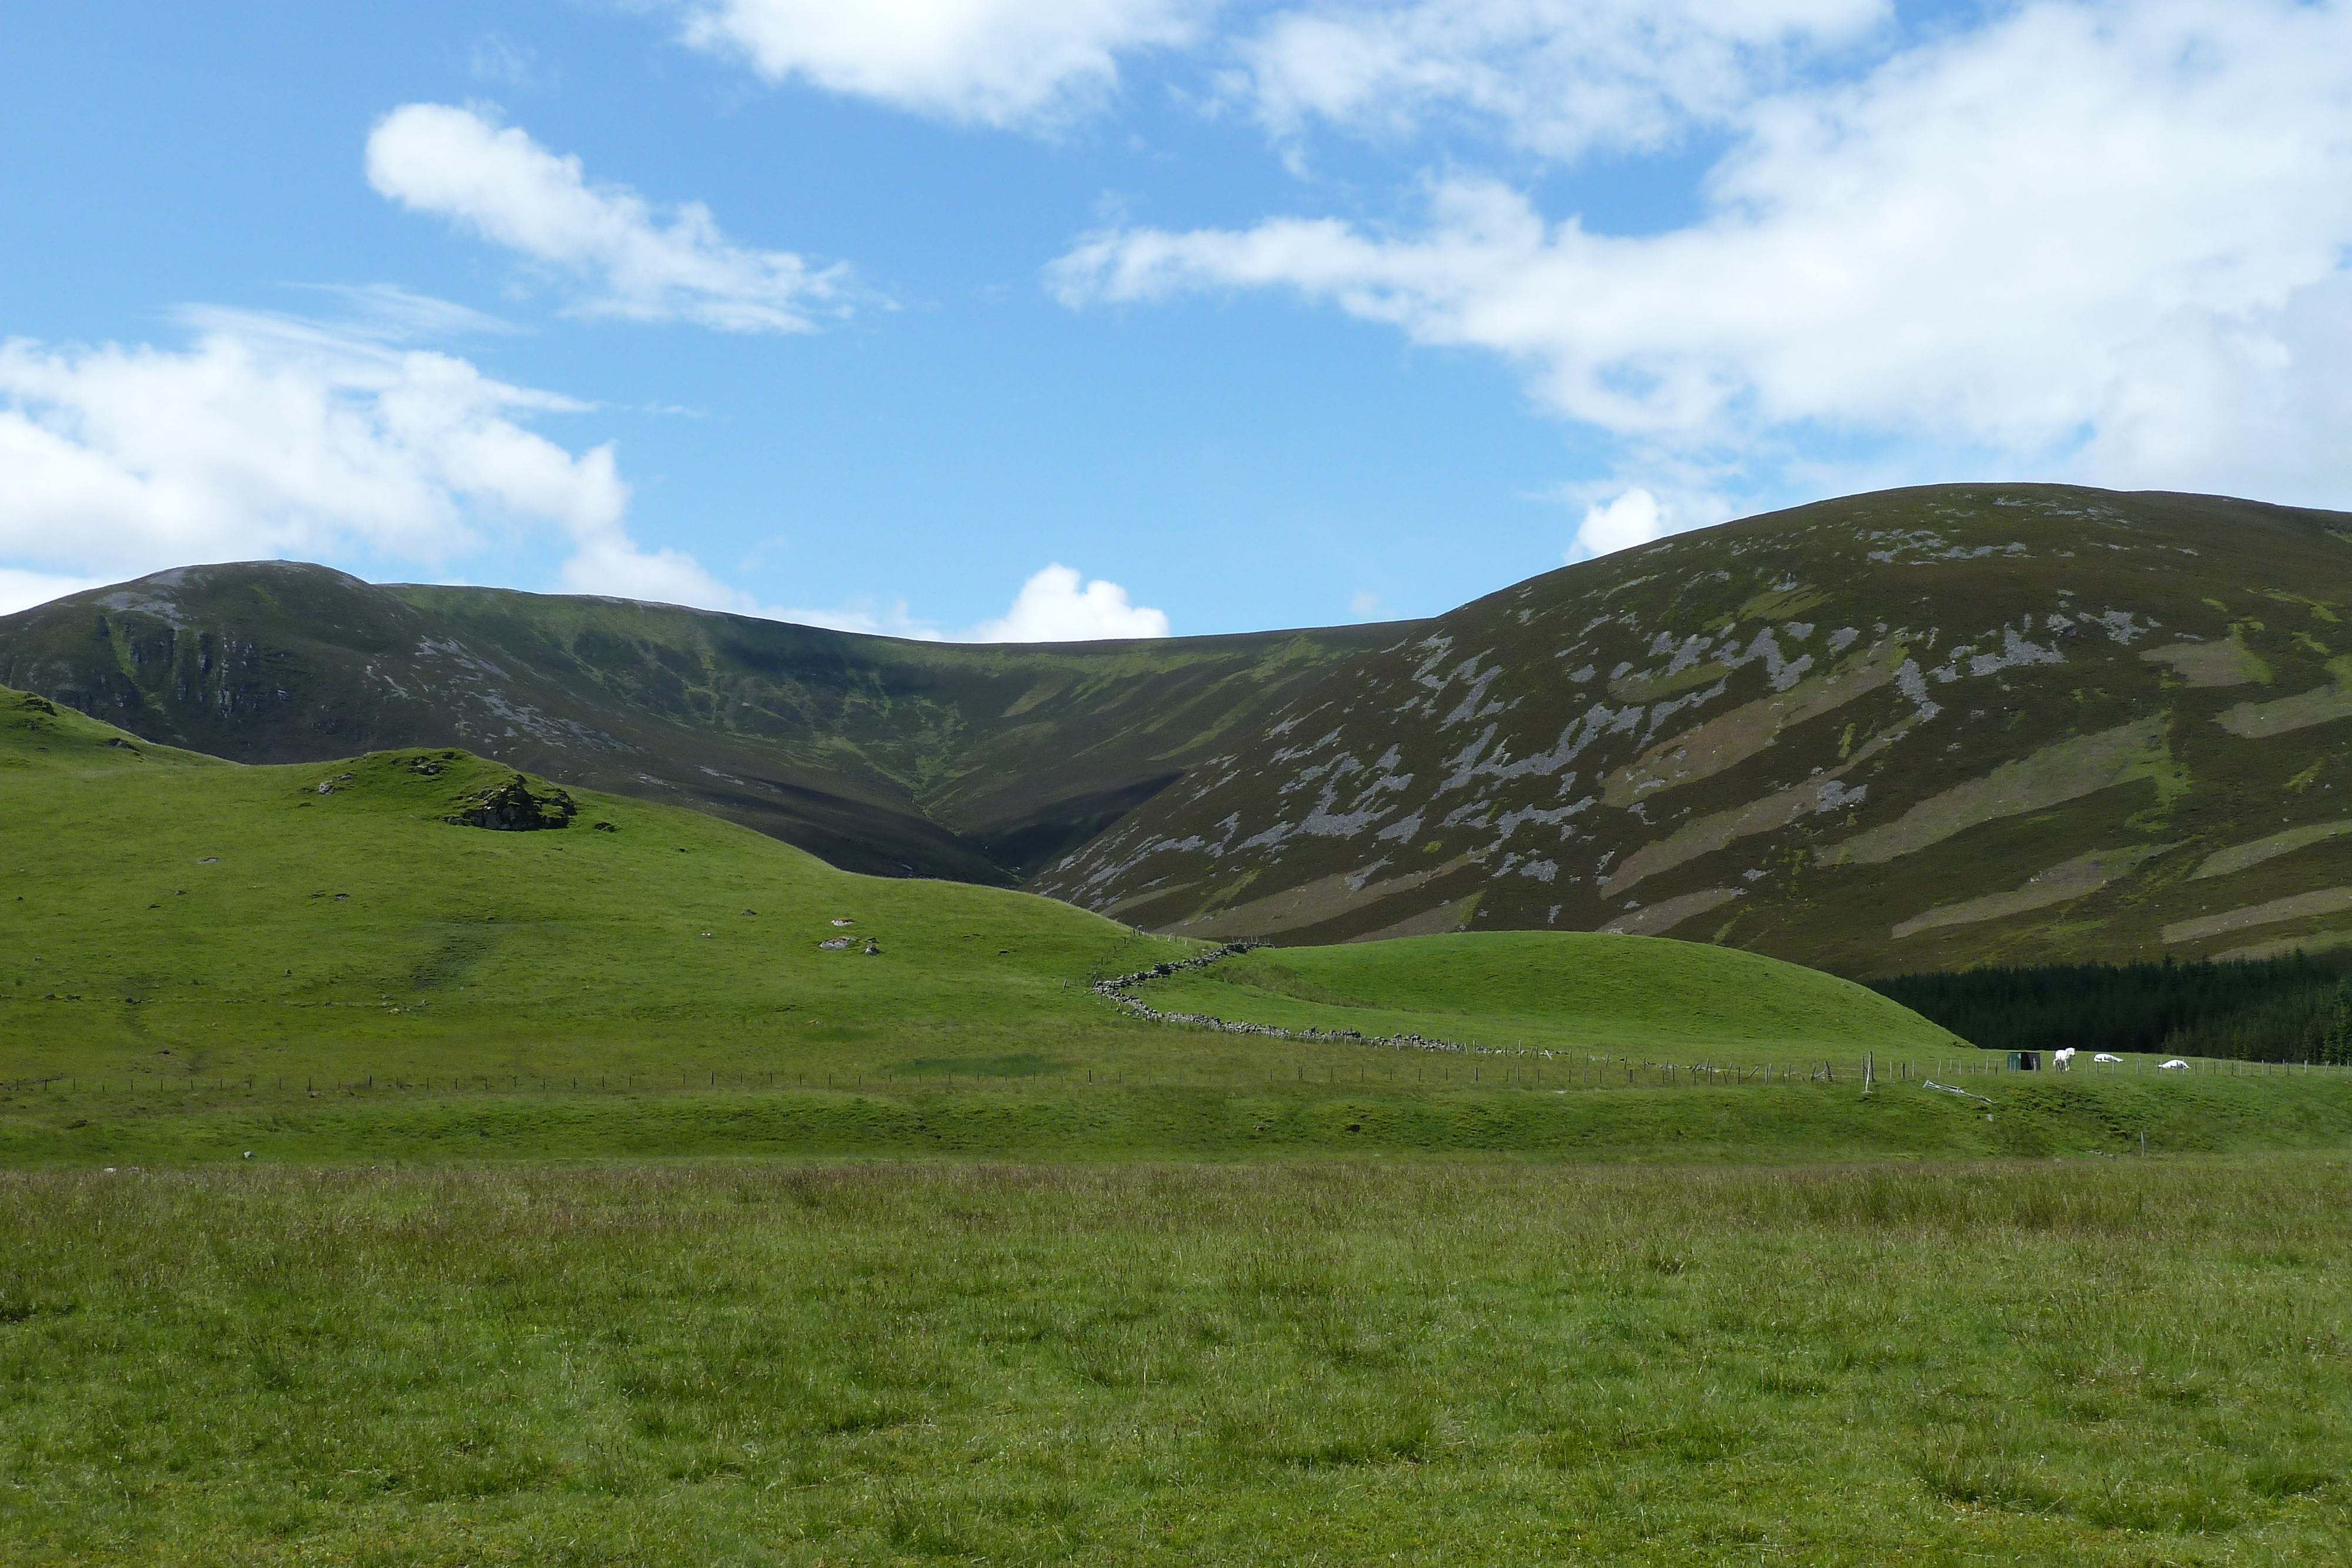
x: 514, y: 806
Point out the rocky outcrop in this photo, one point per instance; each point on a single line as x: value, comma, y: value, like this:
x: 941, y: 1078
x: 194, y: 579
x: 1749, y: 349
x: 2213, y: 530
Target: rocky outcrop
x: 514, y: 806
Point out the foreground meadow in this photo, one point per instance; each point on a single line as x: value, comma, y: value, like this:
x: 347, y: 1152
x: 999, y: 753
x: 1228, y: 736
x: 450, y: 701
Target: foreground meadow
x: 2082, y: 1361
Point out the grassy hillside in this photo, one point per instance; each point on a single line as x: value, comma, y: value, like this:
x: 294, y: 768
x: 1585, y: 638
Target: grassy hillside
x: 880, y: 755
x: 314, y: 963
x: 1572, y: 991
x: 36, y: 736
x: 1922, y: 730
x: 217, y: 919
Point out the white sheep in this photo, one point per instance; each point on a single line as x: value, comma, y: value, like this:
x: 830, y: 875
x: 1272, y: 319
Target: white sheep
x: 2109, y: 1056
x: 2175, y: 1064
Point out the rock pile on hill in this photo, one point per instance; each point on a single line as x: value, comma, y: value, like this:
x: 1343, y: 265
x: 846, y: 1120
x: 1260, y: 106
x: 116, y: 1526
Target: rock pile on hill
x: 514, y: 806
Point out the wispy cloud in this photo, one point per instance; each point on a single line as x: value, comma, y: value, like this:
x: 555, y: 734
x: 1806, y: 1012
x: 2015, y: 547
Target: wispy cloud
x: 394, y: 314
x: 1555, y: 76
x: 622, y: 257
x: 995, y: 62
x: 505, y: 62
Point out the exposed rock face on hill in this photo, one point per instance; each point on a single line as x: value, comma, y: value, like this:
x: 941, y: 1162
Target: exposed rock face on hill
x: 1919, y: 729
x: 897, y: 758
x: 514, y: 806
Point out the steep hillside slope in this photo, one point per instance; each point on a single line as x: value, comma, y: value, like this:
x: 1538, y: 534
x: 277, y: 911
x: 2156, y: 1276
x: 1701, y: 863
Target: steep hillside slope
x: 974, y: 763
x: 1921, y: 730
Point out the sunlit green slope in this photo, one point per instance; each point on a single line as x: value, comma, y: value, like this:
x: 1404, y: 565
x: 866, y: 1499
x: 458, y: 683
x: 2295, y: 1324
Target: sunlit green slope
x: 226, y: 910
x: 1579, y: 991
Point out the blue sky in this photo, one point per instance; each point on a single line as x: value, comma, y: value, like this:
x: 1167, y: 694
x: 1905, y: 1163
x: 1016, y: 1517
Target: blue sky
x: 1238, y: 315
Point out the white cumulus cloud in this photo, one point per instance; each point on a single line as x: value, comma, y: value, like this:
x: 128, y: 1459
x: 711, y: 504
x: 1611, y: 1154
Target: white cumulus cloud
x: 996, y: 62
x: 2102, y: 240
x: 272, y: 436
x: 1555, y: 77
x: 1632, y: 519
x: 1054, y: 606
x: 626, y: 258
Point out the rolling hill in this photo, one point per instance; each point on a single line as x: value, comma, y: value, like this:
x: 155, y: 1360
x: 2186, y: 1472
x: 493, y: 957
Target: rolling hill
x: 174, y: 927
x: 339, y: 962
x: 163, y: 909
x: 897, y: 757
x: 1922, y: 729
x: 1572, y: 992
x: 1917, y: 730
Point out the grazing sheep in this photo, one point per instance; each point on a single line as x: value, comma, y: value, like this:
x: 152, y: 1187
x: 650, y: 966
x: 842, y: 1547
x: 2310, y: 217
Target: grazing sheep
x: 2176, y: 1064
x: 2110, y: 1058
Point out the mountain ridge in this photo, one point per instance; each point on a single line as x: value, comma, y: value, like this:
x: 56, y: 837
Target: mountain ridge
x: 1917, y: 730
x: 881, y: 755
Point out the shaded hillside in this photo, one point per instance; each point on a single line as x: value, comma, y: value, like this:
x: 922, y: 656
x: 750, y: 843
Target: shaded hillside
x: 1917, y: 730
x: 36, y: 736
x: 977, y: 763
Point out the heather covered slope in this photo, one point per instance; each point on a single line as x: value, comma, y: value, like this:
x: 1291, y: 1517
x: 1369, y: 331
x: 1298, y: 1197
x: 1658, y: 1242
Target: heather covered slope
x: 974, y: 763
x: 1916, y: 730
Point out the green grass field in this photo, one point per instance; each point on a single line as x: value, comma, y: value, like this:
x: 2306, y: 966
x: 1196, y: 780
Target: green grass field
x: 2091, y: 1361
